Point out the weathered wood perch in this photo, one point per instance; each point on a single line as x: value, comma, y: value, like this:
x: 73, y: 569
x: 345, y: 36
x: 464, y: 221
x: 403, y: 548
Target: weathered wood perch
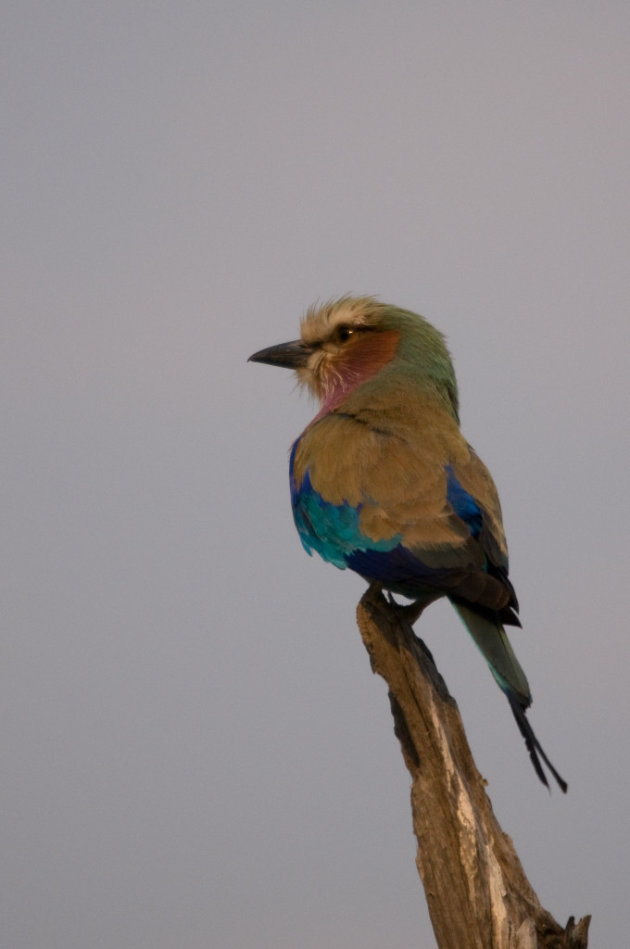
x: 476, y: 890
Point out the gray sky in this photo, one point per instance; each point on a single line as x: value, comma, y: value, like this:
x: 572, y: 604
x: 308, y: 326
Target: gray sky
x: 195, y: 753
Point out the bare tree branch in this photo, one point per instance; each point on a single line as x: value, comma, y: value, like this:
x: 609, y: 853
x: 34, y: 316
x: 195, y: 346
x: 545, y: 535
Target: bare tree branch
x: 476, y: 890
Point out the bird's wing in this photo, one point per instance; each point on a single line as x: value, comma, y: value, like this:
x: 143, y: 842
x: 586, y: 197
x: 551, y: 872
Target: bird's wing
x: 473, y: 496
x: 407, y: 512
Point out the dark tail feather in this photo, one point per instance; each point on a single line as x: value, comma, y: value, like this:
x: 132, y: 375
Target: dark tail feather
x: 533, y: 745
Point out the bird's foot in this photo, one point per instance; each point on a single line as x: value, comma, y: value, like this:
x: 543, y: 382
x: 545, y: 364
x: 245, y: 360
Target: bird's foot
x: 409, y: 612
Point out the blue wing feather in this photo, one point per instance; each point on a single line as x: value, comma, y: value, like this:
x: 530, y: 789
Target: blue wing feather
x: 334, y: 532
x: 463, y: 503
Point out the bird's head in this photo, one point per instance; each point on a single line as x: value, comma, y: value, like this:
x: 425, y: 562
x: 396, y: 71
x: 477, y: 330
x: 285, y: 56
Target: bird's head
x: 349, y: 342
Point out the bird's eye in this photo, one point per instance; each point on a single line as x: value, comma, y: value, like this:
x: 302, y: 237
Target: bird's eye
x: 344, y: 333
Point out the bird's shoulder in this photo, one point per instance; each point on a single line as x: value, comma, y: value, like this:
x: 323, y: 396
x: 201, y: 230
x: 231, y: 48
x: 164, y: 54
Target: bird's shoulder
x: 353, y: 454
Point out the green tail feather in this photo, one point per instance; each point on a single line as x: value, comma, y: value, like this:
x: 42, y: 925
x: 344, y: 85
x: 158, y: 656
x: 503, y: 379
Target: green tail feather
x: 495, y: 647
x: 506, y: 669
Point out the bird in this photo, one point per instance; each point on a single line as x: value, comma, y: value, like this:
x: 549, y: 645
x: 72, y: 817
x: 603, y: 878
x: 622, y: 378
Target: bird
x: 384, y: 483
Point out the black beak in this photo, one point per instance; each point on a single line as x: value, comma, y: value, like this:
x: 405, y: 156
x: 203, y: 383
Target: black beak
x: 293, y: 355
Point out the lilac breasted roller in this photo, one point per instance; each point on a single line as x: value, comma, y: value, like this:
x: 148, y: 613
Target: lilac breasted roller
x: 383, y: 481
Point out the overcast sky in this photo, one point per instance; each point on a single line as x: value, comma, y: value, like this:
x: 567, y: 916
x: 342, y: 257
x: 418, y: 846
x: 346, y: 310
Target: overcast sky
x: 195, y: 752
